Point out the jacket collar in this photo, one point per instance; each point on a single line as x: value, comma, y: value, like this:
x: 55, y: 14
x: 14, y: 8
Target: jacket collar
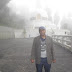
x: 47, y: 39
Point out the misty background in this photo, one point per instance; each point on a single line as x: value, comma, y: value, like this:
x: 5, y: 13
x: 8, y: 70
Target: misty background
x: 19, y: 24
x: 16, y: 14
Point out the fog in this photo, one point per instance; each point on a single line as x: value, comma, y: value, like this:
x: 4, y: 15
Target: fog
x: 28, y: 15
x: 20, y: 21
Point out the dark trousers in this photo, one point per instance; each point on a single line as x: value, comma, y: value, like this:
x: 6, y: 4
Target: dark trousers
x: 44, y: 63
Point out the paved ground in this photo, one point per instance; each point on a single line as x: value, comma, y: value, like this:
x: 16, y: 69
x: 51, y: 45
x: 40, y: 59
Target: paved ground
x: 15, y: 57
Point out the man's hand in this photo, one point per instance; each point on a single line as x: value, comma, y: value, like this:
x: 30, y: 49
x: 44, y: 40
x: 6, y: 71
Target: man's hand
x: 32, y: 60
x: 54, y: 61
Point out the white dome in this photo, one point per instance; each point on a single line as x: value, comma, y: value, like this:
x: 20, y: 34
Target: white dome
x: 42, y: 12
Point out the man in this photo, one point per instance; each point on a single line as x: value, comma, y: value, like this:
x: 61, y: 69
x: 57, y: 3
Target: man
x: 42, y: 52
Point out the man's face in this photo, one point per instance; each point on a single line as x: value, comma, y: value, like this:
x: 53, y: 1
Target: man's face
x: 42, y: 32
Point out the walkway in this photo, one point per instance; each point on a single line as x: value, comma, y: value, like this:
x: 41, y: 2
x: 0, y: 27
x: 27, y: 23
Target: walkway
x: 15, y: 57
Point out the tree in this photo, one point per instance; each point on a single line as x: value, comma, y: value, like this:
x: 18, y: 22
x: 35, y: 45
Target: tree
x: 12, y: 20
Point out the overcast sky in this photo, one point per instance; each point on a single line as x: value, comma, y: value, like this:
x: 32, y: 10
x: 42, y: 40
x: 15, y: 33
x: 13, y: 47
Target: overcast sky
x: 63, y: 7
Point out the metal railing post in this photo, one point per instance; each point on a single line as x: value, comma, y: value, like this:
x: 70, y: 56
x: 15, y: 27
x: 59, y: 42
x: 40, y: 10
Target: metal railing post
x: 64, y: 40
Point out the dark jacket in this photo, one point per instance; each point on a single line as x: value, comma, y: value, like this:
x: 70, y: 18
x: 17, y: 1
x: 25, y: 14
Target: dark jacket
x: 36, y: 50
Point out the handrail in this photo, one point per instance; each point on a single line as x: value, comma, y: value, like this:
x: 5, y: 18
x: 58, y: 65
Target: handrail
x: 63, y: 40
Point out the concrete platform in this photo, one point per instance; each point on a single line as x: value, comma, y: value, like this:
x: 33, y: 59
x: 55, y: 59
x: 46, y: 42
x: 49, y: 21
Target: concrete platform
x: 15, y: 57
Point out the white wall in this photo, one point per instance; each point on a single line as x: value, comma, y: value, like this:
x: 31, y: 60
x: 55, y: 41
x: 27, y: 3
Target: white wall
x: 61, y: 32
x: 19, y: 33
x: 6, y: 32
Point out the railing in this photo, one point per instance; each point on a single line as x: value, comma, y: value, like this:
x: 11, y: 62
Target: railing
x: 64, y: 40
